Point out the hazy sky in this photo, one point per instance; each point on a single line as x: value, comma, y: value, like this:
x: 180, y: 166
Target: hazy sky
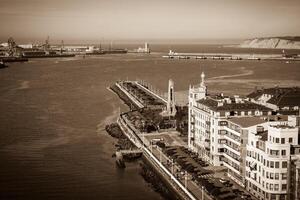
x: 147, y: 19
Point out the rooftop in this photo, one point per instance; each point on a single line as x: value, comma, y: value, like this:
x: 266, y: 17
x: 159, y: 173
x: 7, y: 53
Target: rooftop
x: 280, y: 96
x: 246, y: 122
x: 233, y: 106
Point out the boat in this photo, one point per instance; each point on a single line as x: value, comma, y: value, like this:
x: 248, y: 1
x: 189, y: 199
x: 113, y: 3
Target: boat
x: 13, y: 59
x: 95, y: 53
x: 44, y: 54
x: 115, y: 51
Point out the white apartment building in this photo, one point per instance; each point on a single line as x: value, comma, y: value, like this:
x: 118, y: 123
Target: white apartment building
x: 268, y: 158
x: 207, y: 119
x: 243, y: 136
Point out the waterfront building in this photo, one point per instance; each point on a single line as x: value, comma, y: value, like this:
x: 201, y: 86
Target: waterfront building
x: 256, y: 147
x: 207, y: 117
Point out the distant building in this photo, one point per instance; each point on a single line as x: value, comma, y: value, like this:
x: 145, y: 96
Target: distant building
x: 26, y: 46
x: 145, y: 49
x: 282, y: 100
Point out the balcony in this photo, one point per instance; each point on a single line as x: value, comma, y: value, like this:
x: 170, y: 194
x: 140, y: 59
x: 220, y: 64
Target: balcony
x: 233, y: 139
x: 233, y: 166
x: 233, y: 156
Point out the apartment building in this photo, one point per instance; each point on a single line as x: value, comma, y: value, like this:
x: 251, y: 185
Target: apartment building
x: 255, y: 146
x: 208, y: 117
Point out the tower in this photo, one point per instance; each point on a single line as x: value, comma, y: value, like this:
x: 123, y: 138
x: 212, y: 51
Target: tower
x: 171, y: 109
x: 147, y: 48
x: 195, y: 94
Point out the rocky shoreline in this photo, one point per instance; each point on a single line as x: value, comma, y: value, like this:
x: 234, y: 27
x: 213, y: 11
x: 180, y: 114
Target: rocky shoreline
x: 114, y: 131
x: 156, y: 183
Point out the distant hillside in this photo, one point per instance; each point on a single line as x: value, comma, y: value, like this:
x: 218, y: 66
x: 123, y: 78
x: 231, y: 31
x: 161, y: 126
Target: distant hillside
x: 272, y: 43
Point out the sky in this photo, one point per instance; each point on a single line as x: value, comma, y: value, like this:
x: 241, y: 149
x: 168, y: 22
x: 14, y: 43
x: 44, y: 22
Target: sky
x: 94, y: 20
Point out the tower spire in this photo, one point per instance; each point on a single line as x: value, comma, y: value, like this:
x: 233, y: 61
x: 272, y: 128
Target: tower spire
x: 202, y: 79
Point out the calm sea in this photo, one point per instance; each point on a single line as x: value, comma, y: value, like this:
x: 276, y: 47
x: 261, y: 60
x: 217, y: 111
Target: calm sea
x: 53, y: 113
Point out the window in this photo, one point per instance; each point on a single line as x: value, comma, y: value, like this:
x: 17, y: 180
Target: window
x: 276, y: 187
x: 271, y: 175
x: 283, y: 152
x: 267, y: 174
x: 282, y: 140
x: 277, y: 140
x: 272, y: 164
x: 276, y: 164
x: 276, y: 176
x: 271, y: 186
x: 290, y: 140
x: 283, y: 176
x: 267, y: 163
x: 284, y: 164
x: 283, y: 186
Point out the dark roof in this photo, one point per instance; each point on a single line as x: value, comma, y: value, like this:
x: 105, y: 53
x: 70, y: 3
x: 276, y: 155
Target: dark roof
x: 247, y: 105
x: 280, y: 96
x: 245, y: 122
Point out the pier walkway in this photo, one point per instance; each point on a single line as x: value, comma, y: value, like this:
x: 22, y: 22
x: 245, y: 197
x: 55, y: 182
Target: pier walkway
x: 141, y: 85
x: 130, y: 96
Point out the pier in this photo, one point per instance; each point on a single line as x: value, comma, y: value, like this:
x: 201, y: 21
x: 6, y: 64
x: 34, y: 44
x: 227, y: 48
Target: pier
x: 230, y: 56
